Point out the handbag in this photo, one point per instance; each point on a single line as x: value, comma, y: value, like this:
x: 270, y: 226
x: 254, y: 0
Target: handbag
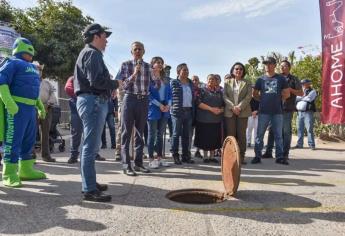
x: 301, y: 106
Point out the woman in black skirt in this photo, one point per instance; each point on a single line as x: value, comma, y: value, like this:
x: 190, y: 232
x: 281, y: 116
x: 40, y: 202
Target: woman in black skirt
x: 209, y: 115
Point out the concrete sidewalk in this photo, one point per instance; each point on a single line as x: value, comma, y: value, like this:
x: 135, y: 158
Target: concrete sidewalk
x: 305, y: 198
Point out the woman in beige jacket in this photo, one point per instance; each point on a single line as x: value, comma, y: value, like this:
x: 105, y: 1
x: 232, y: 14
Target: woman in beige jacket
x: 237, y: 95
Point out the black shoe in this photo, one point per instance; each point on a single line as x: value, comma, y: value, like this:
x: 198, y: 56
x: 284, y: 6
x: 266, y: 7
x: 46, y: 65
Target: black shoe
x: 188, y: 160
x: 256, y: 160
x: 282, y: 161
x: 72, y: 160
x: 96, y: 196
x: 214, y: 160
x: 243, y: 163
x: 101, y: 187
x: 99, y: 158
x: 113, y: 146
x: 197, y: 154
x: 48, y: 159
x: 298, y: 147
x: 267, y: 155
x: 206, y: 160
x: 104, y: 146
x: 141, y: 168
x: 313, y: 148
x: 177, y: 159
x: 129, y: 171
x: 118, y: 158
x: 249, y: 145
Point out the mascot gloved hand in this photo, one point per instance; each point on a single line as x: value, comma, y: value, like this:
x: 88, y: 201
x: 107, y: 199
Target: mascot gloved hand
x: 6, y: 97
x: 41, y: 109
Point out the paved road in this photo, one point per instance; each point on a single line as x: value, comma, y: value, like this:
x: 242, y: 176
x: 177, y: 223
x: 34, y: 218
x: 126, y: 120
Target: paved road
x: 305, y: 198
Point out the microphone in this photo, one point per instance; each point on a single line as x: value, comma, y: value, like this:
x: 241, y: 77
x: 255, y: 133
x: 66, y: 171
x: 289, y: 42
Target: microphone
x: 139, y: 62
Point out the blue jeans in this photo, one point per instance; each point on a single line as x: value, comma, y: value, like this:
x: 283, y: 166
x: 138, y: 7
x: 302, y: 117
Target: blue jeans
x: 155, y: 136
x: 276, y: 126
x: 170, y: 127
x: 305, y: 119
x: 92, y: 110
x: 76, y: 129
x: 110, y: 120
x: 287, y: 135
x: 181, y: 127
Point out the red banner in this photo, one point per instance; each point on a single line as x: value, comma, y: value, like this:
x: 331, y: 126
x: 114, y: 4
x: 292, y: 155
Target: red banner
x: 333, y: 61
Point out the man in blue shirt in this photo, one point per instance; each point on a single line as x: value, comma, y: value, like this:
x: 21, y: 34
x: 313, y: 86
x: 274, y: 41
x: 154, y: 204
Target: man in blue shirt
x: 271, y: 89
x: 289, y: 107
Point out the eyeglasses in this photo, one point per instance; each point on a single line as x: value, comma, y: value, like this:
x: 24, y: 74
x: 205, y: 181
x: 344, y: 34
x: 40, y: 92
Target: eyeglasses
x: 239, y: 68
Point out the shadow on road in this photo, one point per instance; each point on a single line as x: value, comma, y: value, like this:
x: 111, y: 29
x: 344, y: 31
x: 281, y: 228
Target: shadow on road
x: 27, y: 212
x: 42, y: 206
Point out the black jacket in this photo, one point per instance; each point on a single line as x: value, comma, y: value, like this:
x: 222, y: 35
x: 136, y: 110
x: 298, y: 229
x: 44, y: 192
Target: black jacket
x: 91, y: 74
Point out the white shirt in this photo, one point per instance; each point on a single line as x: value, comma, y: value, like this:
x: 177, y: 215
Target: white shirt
x: 47, y: 94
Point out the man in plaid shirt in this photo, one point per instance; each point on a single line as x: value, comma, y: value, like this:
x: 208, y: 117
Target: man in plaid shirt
x: 136, y: 77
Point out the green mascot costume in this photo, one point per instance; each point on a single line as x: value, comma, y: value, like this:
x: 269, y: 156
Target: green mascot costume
x: 19, y: 104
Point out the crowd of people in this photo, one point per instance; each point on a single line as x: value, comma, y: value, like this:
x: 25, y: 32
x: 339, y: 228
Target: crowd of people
x: 145, y: 101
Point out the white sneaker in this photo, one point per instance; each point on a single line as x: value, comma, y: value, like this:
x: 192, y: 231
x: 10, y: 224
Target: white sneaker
x: 163, y: 163
x: 154, y: 164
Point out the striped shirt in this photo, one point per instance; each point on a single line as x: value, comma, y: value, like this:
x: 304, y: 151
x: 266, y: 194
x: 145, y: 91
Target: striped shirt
x: 142, y: 81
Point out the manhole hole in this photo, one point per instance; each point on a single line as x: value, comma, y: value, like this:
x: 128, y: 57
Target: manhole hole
x: 196, y: 196
x: 231, y: 172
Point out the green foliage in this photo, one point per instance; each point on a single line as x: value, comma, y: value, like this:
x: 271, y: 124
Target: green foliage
x: 55, y: 29
x: 6, y: 11
x: 252, y: 68
x: 308, y: 67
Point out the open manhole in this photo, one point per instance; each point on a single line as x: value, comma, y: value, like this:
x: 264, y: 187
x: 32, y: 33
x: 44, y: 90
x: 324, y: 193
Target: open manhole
x: 231, y: 172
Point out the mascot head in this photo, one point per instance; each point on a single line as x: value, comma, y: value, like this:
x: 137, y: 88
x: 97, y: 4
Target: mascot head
x: 22, y: 46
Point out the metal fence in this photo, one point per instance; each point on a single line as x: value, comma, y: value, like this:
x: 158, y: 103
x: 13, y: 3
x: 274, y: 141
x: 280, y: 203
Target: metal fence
x: 63, y: 103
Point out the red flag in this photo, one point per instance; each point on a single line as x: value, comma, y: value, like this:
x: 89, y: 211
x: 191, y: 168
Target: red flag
x: 333, y: 61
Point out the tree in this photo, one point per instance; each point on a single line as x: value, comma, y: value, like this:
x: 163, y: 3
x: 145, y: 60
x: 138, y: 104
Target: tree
x: 310, y: 67
x: 55, y: 30
x: 252, y: 69
x: 6, y: 11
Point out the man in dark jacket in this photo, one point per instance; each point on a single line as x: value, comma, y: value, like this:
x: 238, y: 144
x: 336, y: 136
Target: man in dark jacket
x: 91, y: 85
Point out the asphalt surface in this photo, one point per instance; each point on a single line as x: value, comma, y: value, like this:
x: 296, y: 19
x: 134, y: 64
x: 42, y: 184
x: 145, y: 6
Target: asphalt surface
x: 305, y: 198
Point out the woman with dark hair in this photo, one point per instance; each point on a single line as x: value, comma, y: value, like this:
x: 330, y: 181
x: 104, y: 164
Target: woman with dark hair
x: 209, y: 116
x: 159, y: 106
x: 237, y: 96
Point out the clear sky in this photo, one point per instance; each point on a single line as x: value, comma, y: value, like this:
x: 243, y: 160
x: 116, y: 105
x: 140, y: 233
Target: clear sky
x: 207, y: 35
